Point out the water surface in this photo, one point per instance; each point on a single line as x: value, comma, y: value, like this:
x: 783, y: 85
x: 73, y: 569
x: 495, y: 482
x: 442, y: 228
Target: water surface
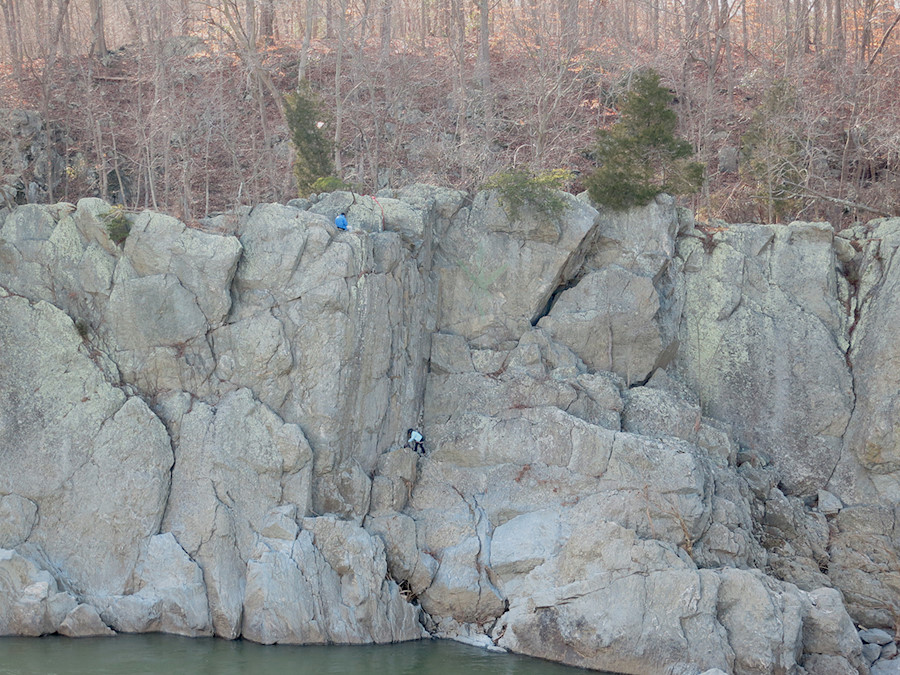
x: 154, y: 654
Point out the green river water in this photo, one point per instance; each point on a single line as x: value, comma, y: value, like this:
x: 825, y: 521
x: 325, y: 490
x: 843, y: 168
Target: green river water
x: 171, y: 655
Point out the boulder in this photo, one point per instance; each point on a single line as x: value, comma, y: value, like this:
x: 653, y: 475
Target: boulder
x: 608, y: 320
x: 890, y: 667
x: 829, y: 631
x: 863, y: 562
x: 570, y: 609
x: 798, y: 540
x: 406, y: 563
x: 364, y: 212
x: 326, y: 586
x: 30, y: 601
x: 203, y: 263
x: 437, y: 204
x: 167, y: 593
x: 84, y: 621
x: 875, y: 636
x: 640, y: 239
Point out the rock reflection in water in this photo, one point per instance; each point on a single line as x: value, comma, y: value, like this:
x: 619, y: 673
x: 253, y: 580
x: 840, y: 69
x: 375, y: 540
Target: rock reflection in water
x: 155, y: 653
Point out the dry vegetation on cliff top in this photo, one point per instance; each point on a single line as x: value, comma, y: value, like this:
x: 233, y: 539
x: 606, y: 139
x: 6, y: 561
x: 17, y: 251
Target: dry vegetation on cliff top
x: 795, y: 113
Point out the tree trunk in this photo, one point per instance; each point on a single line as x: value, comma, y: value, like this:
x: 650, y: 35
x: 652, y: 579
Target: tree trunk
x: 329, y: 19
x: 484, y: 47
x: 865, y: 39
x: 788, y: 36
x: 386, y: 10
x: 837, y: 17
x: 307, y: 39
x: 745, y: 32
x: 425, y: 23
x: 726, y: 39
x: 817, y: 26
x: 134, y: 22
x: 267, y: 22
x: 252, y: 28
x: 338, y: 96
x: 98, y: 34
x: 13, y: 36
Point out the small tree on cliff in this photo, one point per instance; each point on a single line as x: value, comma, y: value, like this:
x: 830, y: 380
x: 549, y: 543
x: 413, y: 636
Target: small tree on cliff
x: 640, y: 155
x: 313, y: 150
x: 518, y: 189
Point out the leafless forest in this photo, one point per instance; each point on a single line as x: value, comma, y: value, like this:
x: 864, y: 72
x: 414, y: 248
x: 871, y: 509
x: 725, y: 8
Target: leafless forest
x: 177, y: 105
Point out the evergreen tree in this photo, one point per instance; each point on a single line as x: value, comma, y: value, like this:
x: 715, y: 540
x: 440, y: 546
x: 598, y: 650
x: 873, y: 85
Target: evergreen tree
x: 313, y: 150
x: 640, y: 155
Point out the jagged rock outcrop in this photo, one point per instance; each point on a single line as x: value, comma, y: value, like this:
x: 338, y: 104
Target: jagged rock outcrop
x: 31, y: 603
x: 324, y: 584
x: 32, y: 163
x: 649, y: 447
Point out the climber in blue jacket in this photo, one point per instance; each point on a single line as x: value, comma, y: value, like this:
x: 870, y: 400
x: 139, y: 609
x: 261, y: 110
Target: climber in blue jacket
x: 341, y: 221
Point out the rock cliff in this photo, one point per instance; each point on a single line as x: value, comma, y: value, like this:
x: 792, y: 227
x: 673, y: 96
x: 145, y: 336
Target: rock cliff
x: 649, y: 447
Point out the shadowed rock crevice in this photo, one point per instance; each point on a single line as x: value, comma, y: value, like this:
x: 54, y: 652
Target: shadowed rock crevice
x: 562, y: 288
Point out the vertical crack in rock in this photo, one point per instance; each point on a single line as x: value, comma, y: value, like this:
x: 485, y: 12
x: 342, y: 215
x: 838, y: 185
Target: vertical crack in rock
x: 554, y: 296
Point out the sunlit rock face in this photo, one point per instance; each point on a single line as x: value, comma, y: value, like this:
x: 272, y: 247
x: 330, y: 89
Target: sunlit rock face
x: 763, y: 340
x: 649, y: 447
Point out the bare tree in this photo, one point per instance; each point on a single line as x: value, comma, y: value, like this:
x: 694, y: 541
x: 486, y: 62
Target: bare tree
x: 14, y: 42
x: 387, y: 7
x: 308, y: 25
x: 338, y: 91
x: 98, y: 32
x: 267, y: 22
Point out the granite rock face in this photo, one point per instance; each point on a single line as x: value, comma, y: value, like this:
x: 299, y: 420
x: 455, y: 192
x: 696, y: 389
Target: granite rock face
x: 649, y: 447
x: 619, y: 333
x: 762, y: 328
x: 180, y: 380
x: 324, y: 584
x: 873, y: 435
x: 497, y: 275
x: 105, y: 482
